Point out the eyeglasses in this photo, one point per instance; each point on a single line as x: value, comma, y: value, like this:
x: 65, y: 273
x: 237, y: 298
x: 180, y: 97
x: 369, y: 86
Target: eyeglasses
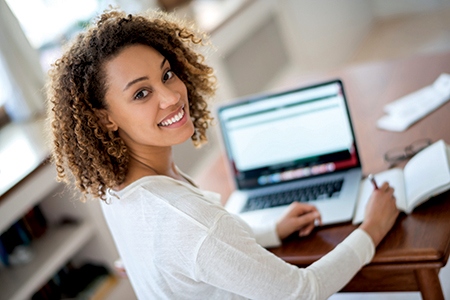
x: 397, y: 155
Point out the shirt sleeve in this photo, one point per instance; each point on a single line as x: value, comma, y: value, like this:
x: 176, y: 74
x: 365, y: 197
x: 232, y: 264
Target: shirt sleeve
x: 230, y: 259
x: 265, y: 234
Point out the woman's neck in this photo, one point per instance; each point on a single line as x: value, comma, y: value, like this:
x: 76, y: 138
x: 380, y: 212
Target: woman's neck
x: 157, y: 160
x: 141, y: 165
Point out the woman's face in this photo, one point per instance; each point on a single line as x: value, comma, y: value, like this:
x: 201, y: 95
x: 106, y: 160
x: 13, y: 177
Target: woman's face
x: 146, y: 102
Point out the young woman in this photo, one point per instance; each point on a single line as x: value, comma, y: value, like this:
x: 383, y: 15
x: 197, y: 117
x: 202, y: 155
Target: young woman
x: 128, y: 89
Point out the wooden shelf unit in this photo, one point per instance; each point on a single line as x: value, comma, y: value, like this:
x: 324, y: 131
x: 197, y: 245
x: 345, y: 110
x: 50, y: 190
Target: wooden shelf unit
x: 85, y: 240
x: 50, y: 253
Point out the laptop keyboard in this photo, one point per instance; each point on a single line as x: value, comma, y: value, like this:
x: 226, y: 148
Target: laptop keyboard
x: 325, y: 190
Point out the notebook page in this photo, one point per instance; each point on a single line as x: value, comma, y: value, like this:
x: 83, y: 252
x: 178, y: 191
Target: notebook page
x: 426, y: 172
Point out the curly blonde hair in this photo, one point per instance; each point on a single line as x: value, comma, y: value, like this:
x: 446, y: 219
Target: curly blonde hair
x: 97, y: 158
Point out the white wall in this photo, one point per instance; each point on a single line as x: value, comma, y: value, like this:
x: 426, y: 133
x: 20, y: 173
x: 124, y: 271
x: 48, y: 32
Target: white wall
x: 323, y: 34
x: 313, y: 34
x: 316, y: 35
x: 389, y: 8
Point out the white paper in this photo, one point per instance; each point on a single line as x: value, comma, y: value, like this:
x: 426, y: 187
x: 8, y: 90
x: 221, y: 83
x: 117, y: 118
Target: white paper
x: 407, y: 110
x: 427, y: 171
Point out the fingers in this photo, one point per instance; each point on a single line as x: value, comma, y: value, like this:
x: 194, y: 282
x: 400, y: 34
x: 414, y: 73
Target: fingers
x: 385, y: 194
x: 304, y: 213
x: 306, y: 230
x: 386, y: 188
x: 120, y: 268
x: 306, y: 221
x: 299, y: 217
x: 297, y: 209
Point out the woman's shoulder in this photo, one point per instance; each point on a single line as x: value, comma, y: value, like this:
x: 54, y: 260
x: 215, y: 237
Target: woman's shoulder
x: 167, y: 196
x: 165, y: 188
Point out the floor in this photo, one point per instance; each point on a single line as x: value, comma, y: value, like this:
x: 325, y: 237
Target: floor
x: 389, y: 39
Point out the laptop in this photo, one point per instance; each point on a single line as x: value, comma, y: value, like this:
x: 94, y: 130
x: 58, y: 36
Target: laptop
x: 295, y: 145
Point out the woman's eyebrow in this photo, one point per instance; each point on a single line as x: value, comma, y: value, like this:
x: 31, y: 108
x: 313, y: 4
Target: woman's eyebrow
x: 134, y: 81
x: 142, y: 78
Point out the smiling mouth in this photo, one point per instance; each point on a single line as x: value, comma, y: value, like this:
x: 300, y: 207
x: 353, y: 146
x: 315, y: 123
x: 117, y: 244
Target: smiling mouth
x: 174, y: 119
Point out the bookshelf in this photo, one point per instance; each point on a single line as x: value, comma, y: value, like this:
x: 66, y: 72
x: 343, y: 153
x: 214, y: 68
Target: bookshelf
x: 75, y: 232
x: 32, y: 191
x: 20, y: 282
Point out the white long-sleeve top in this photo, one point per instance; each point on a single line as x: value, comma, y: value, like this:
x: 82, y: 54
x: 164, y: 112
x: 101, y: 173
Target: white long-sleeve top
x: 177, y: 242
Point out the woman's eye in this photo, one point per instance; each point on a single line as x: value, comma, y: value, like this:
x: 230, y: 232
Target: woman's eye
x: 141, y: 94
x: 169, y: 74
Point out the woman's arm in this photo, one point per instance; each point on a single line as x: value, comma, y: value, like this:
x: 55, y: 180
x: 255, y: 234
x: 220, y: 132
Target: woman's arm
x: 230, y: 259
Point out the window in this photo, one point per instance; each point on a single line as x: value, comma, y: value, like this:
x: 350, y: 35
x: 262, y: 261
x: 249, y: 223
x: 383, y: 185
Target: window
x: 42, y: 26
x: 31, y: 35
x: 47, y: 23
x: 4, y: 91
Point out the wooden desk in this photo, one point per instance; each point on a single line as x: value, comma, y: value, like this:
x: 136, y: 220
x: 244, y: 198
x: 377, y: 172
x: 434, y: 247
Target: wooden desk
x: 411, y: 255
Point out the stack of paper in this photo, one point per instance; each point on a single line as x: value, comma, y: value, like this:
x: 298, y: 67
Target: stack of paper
x: 407, y: 110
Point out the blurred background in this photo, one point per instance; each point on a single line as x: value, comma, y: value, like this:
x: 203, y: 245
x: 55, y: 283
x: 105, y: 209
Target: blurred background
x: 259, y: 44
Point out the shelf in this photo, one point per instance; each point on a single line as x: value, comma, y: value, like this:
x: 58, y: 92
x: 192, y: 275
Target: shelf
x: 19, y: 201
x: 23, y: 147
x: 55, y: 248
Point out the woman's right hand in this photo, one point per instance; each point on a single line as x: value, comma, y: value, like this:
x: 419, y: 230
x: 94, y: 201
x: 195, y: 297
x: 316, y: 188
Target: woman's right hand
x: 381, y: 213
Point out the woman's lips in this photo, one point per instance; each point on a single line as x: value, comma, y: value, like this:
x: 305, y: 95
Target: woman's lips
x: 174, y: 118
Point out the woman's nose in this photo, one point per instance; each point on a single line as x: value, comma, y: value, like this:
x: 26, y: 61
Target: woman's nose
x: 168, y: 97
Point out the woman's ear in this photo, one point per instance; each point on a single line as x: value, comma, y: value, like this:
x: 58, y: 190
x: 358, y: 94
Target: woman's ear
x: 106, y: 120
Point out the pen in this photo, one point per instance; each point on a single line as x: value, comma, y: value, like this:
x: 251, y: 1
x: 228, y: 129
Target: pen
x: 372, y: 179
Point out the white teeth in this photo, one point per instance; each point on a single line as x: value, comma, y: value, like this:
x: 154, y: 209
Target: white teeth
x: 174, y: 119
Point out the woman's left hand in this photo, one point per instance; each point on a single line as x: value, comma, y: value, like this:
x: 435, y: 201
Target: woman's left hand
x: 299, y: 217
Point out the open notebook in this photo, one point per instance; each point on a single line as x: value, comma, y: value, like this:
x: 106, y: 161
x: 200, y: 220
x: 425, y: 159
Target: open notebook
x: 295, y: 145
x: 427, y: 174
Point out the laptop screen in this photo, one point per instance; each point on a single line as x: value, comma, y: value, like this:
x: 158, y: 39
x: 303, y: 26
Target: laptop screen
x: 295, y: 134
